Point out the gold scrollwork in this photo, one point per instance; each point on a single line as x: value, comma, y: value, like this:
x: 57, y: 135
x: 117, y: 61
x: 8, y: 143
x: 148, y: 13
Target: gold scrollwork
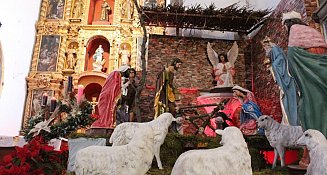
x: 43, y: 81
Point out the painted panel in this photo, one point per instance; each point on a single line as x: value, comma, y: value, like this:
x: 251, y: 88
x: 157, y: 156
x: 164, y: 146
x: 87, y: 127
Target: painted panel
x: 55, y: 9
x: 48, y: 54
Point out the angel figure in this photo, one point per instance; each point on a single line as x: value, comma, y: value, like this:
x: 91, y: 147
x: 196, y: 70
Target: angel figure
x: 223, y: 65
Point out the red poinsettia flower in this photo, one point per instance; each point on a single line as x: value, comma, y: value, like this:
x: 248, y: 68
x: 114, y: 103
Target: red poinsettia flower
x: 7, y: 158
x: 35, y: 153
x: 47, y: 148
x: 23, y: 152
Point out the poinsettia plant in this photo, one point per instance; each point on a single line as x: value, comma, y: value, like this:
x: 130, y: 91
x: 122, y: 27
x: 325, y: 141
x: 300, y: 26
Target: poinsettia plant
x: 35, y: 158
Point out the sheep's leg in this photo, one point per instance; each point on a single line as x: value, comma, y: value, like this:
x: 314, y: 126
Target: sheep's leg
x: 157, y: 155
x: 281, y: 152
x: 275, y: 158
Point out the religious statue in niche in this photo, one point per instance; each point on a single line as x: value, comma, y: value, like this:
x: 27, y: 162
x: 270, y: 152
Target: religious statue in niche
x: 71, y: 58
x: 127, y: 9
x: 125, y: 54
x: 105, y: 10
x: 223, y: 65
x: 98, y: 59
x: 48, y: 53
x: 78, y: 8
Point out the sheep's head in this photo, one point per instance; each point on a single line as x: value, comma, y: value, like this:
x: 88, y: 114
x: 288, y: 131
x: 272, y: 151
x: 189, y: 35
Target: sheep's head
x: 312, y: 138
x: 264, y: 121
x: 231, y: 135
x: 166, y: 119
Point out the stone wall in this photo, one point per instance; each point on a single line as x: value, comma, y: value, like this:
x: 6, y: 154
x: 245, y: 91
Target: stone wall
x: 195, y: 72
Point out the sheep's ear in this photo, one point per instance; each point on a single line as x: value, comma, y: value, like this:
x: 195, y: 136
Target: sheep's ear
x: 174, y: 119
x: 219, y: 131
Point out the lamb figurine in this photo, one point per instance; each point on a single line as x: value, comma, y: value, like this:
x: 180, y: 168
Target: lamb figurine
x: 279, y: 136
x: 124, y: 133
x: 134, y: 158
x: 316, y: 143
x: 231, y: 158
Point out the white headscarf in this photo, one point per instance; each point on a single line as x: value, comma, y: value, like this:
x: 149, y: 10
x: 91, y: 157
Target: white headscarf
x: 237, y: 87
x: 123, y: 68
x: 291, y: 15
x: 249, y: 94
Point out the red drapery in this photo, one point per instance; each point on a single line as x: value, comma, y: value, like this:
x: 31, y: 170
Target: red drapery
x: 108, y: 98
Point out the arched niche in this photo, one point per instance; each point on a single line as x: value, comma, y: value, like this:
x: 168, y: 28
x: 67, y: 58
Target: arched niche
x: 91, y: 47
x: 93, y: 83
x: 95, y: 12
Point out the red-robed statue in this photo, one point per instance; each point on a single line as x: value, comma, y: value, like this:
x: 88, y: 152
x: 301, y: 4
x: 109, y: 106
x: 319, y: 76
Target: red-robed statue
x: 110, y: 94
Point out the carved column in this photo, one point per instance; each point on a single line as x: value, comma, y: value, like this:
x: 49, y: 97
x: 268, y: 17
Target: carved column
x: 68, y: 8
x: 43, y: 9
x: 35, y: 54
x: 61, y: 55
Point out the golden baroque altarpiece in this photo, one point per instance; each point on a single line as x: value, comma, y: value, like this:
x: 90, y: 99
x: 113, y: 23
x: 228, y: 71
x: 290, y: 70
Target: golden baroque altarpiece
x: 68, y: 34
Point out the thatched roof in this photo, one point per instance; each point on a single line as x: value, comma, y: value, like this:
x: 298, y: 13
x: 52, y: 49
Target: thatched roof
x: 231, y: 18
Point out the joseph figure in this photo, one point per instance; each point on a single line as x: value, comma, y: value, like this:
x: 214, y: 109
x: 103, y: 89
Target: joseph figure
x: 165, y: 89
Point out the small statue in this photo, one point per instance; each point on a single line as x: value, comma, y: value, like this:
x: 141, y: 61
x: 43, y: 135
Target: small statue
x: 105, y: 9
x: 78, y: 9
x: 223, y: 65
x: 125, y: 55
x: 127, y: 7
x: 98, y: 59
x: 71, y: 58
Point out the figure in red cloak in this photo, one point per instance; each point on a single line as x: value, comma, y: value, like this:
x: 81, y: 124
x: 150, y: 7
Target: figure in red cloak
x: 110, y: 94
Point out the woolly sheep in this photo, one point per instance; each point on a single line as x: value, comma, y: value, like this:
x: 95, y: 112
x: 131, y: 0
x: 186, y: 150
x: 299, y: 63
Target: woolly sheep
x: 134, y: 158
x: 317, y: 146
x: 279, y: 136
x: 124, y: 133
x: 231, y: 158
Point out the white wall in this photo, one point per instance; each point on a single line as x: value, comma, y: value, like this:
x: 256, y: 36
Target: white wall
x: 18, y: 18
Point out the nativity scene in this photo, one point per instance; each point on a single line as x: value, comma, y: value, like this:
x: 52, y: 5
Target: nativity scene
x: 119, y: 87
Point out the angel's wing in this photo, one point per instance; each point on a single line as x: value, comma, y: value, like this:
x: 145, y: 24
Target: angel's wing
x: 233, y: 53
x: 213, y: 56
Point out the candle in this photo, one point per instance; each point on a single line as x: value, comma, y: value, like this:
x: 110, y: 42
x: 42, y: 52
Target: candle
x: 53, y: 104
x: 70, y: 83
x: 44, y: 99
x: 80, y: 93
x: 65, y: 89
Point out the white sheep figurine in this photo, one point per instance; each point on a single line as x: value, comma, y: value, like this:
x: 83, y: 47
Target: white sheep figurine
x: 279, y: 136
x: 124, y: 133
x: 231, y: 158
x: 134, y: 158
x: 316, y: 143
